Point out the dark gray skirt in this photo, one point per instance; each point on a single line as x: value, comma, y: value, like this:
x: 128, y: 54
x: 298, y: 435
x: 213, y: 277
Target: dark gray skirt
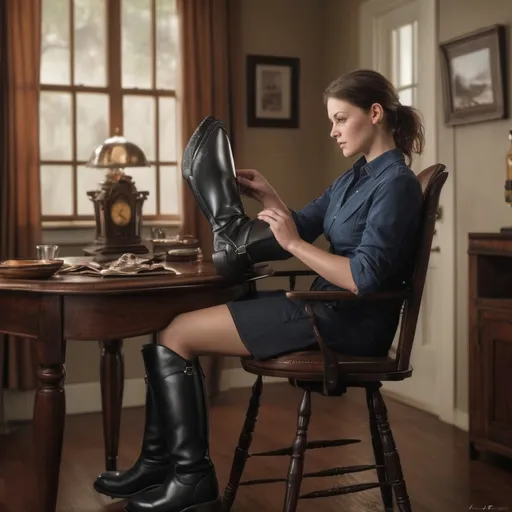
x: 270, y: 324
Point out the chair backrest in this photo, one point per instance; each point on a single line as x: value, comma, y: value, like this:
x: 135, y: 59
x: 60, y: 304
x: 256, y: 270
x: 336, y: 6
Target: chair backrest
x: 432, y: 180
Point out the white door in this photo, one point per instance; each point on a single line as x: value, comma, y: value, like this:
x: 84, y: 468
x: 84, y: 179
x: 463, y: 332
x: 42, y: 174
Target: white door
x: 399, y: 40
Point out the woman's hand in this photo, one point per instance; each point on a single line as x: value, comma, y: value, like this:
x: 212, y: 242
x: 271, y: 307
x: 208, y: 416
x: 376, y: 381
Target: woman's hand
x: 282, y: 225
x: 252, y: 184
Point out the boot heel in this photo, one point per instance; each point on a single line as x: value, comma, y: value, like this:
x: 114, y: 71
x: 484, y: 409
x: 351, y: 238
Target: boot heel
x: 228, y: 265
x: 211, y: 506
x: 220, y: 262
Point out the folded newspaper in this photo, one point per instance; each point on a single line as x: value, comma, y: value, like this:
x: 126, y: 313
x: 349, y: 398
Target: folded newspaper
x: 127, y: 264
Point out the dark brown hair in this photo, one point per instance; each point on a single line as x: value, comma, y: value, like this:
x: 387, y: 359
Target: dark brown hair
x: 364, y: 87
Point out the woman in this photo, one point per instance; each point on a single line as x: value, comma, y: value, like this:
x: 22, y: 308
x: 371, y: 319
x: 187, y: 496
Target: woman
x: 369, y: 215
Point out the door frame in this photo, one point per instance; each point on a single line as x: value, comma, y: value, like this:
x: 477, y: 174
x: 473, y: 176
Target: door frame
x: 369, y: 12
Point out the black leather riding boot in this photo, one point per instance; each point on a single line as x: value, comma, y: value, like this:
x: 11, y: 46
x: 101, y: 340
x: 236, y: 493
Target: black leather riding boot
x: 191, y: 485
x: 150, y: 469
x: 209, y: 170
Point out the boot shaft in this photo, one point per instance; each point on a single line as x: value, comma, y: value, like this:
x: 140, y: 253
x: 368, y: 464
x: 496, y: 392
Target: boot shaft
x: 179, y: 396
x: 154, y: 447
x: 209, y: 169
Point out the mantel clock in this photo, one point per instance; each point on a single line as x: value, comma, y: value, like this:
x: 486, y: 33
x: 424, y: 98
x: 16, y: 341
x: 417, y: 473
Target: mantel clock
x: 117, y: 203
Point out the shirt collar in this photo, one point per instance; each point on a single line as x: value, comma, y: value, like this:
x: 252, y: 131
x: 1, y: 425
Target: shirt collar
x: 378, y: 165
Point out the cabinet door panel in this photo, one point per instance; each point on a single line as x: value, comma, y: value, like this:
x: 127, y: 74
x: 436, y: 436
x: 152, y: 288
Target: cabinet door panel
x: 497, y: 382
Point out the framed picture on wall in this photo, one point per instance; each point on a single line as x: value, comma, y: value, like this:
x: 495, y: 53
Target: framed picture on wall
x: 474, y: 76
x: 273, y: 91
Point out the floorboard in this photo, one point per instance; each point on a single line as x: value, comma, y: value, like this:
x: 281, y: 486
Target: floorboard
x: 439, y: 475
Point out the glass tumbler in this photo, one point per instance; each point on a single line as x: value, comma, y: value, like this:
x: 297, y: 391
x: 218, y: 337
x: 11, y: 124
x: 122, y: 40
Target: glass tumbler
x: 47, y: 252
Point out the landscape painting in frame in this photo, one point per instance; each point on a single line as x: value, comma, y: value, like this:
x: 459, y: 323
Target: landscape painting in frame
x: 474, y: 76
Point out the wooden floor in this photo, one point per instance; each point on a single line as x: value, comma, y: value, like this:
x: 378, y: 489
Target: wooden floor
x: 439, y: 476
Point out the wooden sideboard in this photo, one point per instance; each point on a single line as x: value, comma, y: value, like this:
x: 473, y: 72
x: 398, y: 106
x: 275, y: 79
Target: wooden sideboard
x: 490, y: 343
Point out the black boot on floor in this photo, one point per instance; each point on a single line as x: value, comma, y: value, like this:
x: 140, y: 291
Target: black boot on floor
x: 191, y: 486
x: 209, y: 170
x: 151, y: 468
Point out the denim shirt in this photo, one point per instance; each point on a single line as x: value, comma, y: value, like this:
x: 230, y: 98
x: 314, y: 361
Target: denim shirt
x: 371, y: 215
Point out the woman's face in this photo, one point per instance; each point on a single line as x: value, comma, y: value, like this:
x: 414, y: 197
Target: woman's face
x: 353, y: 128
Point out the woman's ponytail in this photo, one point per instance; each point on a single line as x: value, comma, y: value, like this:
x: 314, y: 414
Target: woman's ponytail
x: 407, y: 129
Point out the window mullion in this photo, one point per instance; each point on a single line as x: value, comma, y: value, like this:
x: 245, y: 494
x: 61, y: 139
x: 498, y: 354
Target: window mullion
x: 157, y: 105
x: 114, y: 22
x: 74, y: 179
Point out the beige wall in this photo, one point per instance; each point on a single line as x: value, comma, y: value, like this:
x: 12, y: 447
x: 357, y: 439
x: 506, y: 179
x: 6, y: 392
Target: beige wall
x: 476, y: 156
x: 341, y: 46
x: 301, y: 163
x: 289, y: 158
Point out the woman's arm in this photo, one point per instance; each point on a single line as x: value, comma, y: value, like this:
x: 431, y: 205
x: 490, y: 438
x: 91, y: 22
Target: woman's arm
x: 333, y: 268
x: 389, y: 236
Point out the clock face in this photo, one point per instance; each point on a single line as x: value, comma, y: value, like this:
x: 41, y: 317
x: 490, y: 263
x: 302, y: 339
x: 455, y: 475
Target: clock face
x: 121, y: 213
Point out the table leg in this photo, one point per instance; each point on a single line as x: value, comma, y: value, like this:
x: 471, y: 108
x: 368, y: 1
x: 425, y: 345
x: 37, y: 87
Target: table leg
x: 112, y: 386
x: 50, y: 403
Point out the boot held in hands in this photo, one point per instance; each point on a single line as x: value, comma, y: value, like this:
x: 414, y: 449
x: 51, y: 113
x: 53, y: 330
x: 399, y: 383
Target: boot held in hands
x: 209, y: 170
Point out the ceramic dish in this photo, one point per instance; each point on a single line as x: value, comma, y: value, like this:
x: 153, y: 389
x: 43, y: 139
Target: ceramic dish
x: 29, y: 269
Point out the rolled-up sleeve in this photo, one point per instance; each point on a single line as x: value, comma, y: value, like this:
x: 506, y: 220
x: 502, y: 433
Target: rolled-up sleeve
x: 310, y: 219
x: 390, y: 232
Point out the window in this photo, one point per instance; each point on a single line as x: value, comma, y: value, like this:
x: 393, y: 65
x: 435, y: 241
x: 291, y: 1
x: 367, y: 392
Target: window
x: 404, y: 44
x: 107, y: 67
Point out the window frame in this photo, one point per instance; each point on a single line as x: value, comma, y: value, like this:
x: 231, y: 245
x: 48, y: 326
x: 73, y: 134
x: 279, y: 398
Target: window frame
x: 115, y: 93
x: 395, y: 60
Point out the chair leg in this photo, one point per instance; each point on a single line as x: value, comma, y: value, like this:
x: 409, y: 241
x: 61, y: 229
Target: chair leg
x: 242, y: 450
x: 296, y: 467
x: 378, y: 452
x: 391, y: 458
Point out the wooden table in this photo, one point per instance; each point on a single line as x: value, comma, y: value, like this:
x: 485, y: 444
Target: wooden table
x: 90, y: 308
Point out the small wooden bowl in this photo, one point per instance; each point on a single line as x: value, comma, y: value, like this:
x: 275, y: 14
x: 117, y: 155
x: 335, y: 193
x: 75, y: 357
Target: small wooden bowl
x: 29, y: 269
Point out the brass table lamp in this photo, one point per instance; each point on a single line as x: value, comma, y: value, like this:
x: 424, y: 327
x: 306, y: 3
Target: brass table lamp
x: 117, y: 204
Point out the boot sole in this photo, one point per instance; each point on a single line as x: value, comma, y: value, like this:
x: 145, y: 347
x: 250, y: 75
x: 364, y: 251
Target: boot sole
x: 211, y: 506
x: 123, y: 496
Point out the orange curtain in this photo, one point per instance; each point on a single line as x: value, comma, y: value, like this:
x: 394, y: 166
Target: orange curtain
x: 20, y: 208
x: 206, y: 33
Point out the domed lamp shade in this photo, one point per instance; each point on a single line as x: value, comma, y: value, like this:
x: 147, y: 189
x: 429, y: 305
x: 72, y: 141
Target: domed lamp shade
x: 118, y: 203
x: 117, y: 152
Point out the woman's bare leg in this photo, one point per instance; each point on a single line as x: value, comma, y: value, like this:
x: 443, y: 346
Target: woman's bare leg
x: 203, y: 332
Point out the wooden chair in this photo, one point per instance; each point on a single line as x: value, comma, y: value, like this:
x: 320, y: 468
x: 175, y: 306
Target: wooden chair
x: 330, y: 374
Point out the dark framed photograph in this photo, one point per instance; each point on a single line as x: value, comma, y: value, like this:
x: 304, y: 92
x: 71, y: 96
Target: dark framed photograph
x: 474, y: 76
x: 273, y: 91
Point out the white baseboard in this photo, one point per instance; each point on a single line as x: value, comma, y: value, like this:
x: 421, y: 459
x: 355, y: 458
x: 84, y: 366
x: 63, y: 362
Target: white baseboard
x: 407, y: 401
x: 80, y: 398
x: 461, y: 419
x: 457, y: 418
x: 86, y: 397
